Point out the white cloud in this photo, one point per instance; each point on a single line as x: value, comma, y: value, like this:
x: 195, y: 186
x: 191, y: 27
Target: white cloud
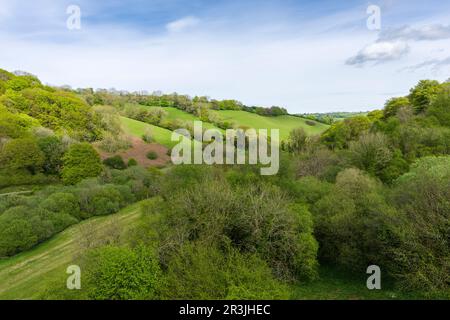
x: 422, y: 33
x: 380, y: 52
x: 434, y: 64
x: 182, y: 24
x: 296, y: 63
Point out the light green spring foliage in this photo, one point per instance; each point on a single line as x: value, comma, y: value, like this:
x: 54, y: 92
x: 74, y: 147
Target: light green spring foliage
x: 202, y: 272
x: 119, y: 273
x: 255, y: 217
x: 81, y: 161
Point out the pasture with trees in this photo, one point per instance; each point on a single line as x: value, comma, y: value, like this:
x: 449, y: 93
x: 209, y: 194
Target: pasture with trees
x: 371, y: 189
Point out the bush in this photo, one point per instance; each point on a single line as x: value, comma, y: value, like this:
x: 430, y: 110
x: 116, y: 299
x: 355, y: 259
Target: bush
x: 53, y: 150
x: 132, y: 162
x: 152, y: 155
x: 148, y: 136
x: 202, y: 272
x: 17, y: 232
x: 62, y: 203
x: 255, y: 218
x: 112, y: 143
x: 22, y: 153
x: 115, y: 162
x: 421, y: 260
x: 370, y: 153
x: 81, y: 161
x: 354, y: 224
x: 115, y: 273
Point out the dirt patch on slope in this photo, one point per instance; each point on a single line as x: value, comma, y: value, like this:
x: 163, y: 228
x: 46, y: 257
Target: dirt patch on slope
x: 139, y: 151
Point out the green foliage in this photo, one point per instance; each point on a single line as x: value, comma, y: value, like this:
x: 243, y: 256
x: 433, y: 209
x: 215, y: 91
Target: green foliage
x: 370, y: 153
x: 81, y: 161
x: 113, y: 143
x: 18, y: 83
x: 152, y: 155
x: 148, y: 136
x: 115, y: 162
x: 203, y: 272
x: 340, y: 134
x: 15, y: 125
x: 17, y: 232
x: 254, y: 218
x: 393, y: 106
x: 55, y: 109
x: 63, y: 204
x: 23, y: 153
x: 440, y: 108
x: 354, y: 224
x: 297, y: 141
x: 132, y: 162
x: 115, y: 273
x: 421, y: 260
x: 53, y: 209
x: 422, y: 95
x: 53, y: 149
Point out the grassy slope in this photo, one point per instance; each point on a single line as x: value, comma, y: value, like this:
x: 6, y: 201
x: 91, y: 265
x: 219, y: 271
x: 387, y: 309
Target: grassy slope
x: 26, y: 275
x: 284, y: 123
x: 251, y: 120
x: 138, y: 128
x: 174, y: 113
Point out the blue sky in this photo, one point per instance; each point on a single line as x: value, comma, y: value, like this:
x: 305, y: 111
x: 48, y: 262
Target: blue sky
x: 308, y: 56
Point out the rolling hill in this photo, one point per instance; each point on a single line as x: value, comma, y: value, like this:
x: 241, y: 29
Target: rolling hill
x: 240, y: 118
x: 138, y: 128
x: 284, y: 123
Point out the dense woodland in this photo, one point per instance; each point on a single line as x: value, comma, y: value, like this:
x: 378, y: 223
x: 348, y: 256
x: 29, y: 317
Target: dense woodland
x: 372, y: 190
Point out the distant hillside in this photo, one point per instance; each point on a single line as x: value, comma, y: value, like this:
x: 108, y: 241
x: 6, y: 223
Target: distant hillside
x: 243, y: 119
x: 331, y: 117
x: 284, y: 123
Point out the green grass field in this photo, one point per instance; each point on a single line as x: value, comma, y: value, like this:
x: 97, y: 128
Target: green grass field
x: 241, y: 118
x: 138, y: 128
x: 284, y: 123
x: 177, y: 114
x: 27, y: 275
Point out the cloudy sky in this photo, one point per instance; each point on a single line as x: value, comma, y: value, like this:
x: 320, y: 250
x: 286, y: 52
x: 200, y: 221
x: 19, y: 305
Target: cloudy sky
x: 305, y: 55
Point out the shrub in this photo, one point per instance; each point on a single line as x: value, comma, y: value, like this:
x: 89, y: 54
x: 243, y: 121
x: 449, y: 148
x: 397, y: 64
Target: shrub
x: 421, y: 260
x: 63, y: 203
x: 115, y: 162
x: 254, y: 218
x: 354, y: 224
x: 115, y: 273
x: 22, y: 153
x: 81, y: 161
x: 202, y: 272
x: 370, y: 153
x: 53, y: 150
x: 17, y: 232
x: 132, y: 162
x: 152, y: 155
x: 112, y: 143
x: 148, y: 136
x: 298, y: 140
